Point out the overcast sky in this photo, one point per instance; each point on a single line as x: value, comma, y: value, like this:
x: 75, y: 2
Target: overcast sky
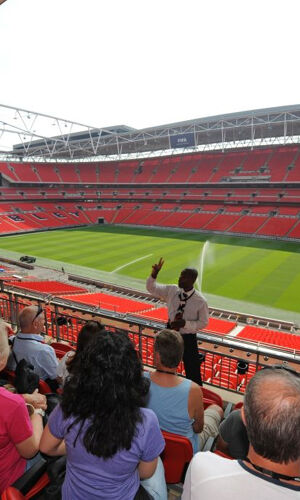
x: 108, y: 62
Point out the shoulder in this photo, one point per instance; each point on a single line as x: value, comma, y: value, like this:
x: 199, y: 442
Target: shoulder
x: 149, y: 417
x: 234, y: 418
x: 205, y: 461
x: 195, y: 389
x: 199, y: 297
x: 195, y: 395
x: 7, y: 398
x: 56, y: 418
x: 46, y: 349
x: 12, y: 404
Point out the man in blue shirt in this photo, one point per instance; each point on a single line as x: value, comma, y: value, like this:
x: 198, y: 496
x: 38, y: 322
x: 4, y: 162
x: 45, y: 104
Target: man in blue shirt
x: 29, y: 344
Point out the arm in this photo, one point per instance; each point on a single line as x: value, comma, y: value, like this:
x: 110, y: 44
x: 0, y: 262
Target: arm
x: 195, y: 407
x: 147, y: 469
x: 48, y: 362
x: 30, y: 446
x: 222, y: 445
x: 36, y: 399
x: 4, y: 347
x: 62, y: 368
x: 51, y: 445
x: 159, y: 291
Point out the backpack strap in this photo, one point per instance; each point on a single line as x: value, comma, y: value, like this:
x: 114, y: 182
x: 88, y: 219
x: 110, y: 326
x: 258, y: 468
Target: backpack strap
x: 12, y: 350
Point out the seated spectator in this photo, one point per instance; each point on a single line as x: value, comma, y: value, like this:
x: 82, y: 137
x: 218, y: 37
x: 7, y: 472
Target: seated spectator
x: 86, y: 334
x: 19, y: 434
x: 233, y: 438
x: 36, y: 399
x: 178, y: 402
x: 271, y: 414
x: 111, y: 442
x: 29, y: 344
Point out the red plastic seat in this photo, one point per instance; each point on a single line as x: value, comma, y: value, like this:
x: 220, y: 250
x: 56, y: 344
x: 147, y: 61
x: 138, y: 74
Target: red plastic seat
x: 44, y: 387
x: 61, y: 349
x: 211, y: 398
x: 12, y: 493
x: 176, y: 456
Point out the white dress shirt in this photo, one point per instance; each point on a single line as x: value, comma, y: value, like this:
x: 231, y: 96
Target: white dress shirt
x: 195, y: 312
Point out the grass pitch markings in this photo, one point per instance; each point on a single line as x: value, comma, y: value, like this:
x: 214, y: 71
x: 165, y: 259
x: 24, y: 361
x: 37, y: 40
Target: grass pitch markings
x: 132, y: 262
x: 257, y: 271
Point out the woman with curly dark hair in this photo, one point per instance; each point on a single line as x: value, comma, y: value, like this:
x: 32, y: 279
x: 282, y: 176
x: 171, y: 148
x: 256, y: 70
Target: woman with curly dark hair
x: 110, y: 440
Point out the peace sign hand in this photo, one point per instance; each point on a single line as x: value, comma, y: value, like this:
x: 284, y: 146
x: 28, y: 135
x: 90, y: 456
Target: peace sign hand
x: 157, y: 267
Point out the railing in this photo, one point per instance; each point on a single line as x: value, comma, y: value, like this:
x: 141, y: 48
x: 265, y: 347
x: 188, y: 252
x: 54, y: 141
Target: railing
x: 226, y: 362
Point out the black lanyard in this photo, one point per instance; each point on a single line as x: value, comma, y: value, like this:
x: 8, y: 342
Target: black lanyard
x: 183, y: 302
x: 274, y: 475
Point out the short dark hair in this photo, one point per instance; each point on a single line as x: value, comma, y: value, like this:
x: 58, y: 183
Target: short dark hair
x: 272, y: 413
x: 192, y: 272
x: 169, y: 345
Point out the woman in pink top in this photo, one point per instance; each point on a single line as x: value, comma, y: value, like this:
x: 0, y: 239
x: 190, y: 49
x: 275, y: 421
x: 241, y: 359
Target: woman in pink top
x: 19, y: 434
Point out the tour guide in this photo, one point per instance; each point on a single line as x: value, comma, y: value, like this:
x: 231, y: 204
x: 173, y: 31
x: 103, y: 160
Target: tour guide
x: 188, y: 313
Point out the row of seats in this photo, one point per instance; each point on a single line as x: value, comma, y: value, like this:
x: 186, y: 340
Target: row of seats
x: 258, y: 220
x: 279, y: 164
x: 273, y: 337
x: 230, y: 194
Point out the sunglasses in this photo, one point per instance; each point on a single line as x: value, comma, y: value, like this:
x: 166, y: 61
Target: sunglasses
x: 39, y: 311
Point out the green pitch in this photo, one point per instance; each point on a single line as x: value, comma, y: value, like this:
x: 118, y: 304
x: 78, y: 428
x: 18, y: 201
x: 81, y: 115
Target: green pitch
x: 253, y: 271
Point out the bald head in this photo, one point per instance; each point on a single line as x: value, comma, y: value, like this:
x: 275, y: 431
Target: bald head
x: 272, y: 414
x: 29, y: 321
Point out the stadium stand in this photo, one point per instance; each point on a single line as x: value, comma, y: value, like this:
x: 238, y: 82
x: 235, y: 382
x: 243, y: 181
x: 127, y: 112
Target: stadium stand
x: 111, y: 302
x: 50, y: 287
x: 271, y: 337
x: 136, y: 192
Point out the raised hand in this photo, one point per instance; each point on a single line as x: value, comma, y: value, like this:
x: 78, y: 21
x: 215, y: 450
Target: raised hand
x: 157, y: 267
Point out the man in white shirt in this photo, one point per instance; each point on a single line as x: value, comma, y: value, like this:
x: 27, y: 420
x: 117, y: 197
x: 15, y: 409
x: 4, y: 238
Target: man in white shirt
x: 271, y: 470
x: 188, y: 313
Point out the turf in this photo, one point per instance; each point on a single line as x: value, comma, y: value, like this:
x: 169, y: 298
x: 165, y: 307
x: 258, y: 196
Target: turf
x: 254, y: 271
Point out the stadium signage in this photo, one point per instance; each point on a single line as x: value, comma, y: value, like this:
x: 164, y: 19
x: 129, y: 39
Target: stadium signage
x: 182, y: 140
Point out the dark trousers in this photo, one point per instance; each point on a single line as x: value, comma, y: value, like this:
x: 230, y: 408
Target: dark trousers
x: 191, y: 358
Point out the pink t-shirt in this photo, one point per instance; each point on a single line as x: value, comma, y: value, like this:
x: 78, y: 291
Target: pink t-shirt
x: 15, y: 427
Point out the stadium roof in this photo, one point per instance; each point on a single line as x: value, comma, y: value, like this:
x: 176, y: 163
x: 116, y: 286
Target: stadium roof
x: 29, y: 135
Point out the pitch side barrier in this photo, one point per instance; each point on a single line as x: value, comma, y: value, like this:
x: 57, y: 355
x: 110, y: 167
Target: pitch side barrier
x: 226, y: 362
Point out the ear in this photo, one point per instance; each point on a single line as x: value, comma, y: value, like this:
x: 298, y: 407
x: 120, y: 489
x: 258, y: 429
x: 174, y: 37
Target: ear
x: 243, y: 416
x: 156, y: 357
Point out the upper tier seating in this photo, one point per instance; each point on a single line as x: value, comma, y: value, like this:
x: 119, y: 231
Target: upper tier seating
x: 278, y: 164
x: 122, y: 200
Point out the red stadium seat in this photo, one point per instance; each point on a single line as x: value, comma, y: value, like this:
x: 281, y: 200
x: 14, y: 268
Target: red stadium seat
x: 211, y: 398
x: 30, y: 485
x: 176, y: 456
x: 61, y: 349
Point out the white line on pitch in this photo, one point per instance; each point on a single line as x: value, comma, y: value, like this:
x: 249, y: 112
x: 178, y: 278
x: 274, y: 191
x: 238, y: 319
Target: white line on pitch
x: 132, y: 262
